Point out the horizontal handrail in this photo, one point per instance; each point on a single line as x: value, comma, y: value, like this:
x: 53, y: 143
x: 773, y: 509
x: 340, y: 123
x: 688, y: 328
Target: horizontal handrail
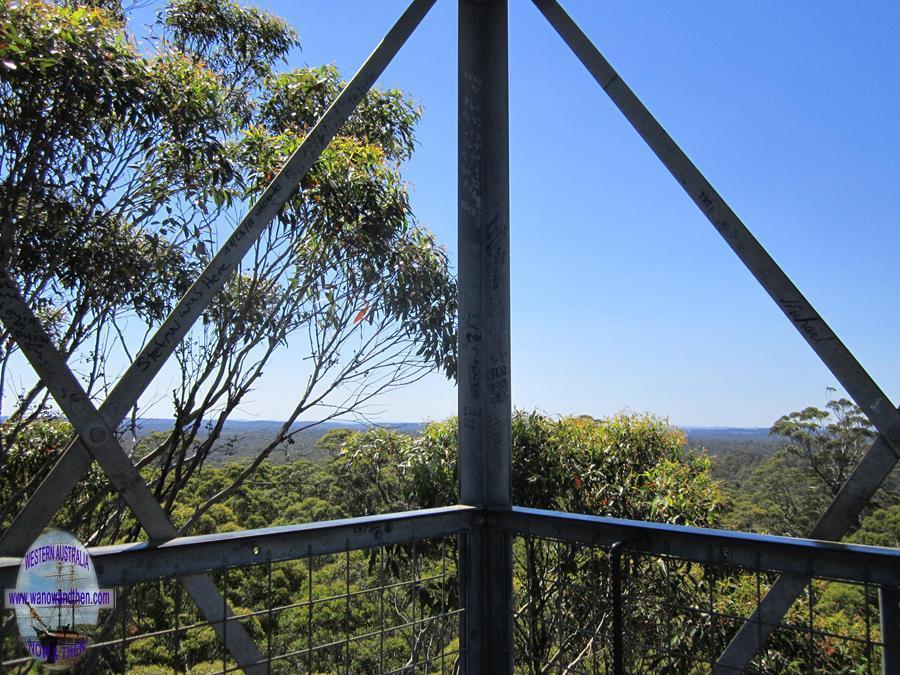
x: 125, y: 564
x: 786, y: 555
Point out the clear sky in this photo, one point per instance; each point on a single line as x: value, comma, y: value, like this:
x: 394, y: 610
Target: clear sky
x: 623, y: 295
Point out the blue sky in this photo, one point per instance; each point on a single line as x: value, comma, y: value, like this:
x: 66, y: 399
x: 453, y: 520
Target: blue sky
x: 623, y: 295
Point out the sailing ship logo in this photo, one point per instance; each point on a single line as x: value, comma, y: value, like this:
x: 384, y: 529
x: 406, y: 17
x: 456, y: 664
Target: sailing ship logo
x: 57, y: 600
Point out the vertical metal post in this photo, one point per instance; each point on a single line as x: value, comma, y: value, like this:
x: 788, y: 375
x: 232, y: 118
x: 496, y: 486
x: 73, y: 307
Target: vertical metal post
x: 615, y: 563
x: 889, y: 600
x: 485, y: 434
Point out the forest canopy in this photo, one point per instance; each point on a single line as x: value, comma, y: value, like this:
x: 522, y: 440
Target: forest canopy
x: 627, y: 465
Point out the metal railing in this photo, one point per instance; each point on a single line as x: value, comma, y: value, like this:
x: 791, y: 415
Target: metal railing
x: 373, y: 594
x: 591, y: 595
x: 597, y: 595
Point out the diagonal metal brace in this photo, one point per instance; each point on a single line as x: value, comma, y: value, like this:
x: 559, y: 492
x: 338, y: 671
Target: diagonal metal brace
x: 884, y: 452
x: 75, y: 460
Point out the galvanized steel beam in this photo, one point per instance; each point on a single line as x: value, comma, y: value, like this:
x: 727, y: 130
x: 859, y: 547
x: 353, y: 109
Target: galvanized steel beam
x: 805, y: 319
x: 135, y: 563
x: 800, y: 558
x: 485, y: 409
x: 76, y: 459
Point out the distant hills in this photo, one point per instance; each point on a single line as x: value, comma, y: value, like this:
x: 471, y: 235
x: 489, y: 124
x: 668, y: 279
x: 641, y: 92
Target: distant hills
x: 149, y: 425
x: 722, y: 440
x: 244, y: 438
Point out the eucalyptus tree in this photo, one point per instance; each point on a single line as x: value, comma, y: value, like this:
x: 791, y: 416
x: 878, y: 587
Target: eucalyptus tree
x: 122, y: 162
x: 828, y: 442
x: 787, y: 493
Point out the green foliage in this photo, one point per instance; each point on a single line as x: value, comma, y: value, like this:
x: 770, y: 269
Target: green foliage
x: 385, y: 119
x: 242, y: 42
x: 839, y: 613
x: 782, y: 496
x: 633, y: 466
x: 332, y: 441
x: 37, y: 446
x: 33, y: 451
x: 381, y: 470
x: 788, y: 492
x: 830, y: 442
x: 428, y: 467
x: 365, y: 473
x: 627, y: 466
x: 880, y: 528
x: 76, y: 100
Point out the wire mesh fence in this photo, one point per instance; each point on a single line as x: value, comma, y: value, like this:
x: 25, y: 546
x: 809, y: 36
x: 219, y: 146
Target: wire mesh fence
x: 677, y: 615
x: 388, y: 609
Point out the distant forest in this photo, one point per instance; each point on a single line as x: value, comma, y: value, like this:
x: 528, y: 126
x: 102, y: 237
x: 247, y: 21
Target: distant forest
x: 769, y: 482
x: 627, y: 466
x: 241, y: 439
